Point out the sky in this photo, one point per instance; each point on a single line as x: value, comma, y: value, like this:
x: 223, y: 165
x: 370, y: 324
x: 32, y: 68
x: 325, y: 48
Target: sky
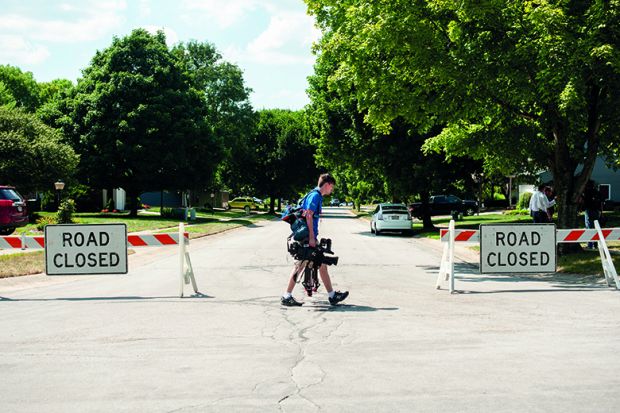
x: 270, y: 40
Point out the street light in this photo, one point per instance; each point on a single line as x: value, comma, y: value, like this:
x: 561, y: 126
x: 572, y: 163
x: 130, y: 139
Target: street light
x: 510, y: 178
x: 59, y: 185
x: 478, y: 177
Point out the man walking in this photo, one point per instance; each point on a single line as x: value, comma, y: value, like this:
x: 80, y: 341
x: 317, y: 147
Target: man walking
x: 539, y: 206
x: 592, y: 207
x: 312, y: 206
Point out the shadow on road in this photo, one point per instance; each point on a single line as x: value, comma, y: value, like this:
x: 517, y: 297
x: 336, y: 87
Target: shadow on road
x: 555, y: 282
x: 122, y: 298
x: 337, y: 216
x: 395, y: 234
x: 351, y: 307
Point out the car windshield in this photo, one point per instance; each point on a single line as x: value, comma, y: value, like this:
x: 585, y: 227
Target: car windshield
x: 9, y: 194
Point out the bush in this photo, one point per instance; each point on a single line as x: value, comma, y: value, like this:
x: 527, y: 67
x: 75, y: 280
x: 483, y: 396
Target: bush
x: 178, y: 213
x: 65, y: 212
x: 517, y: 212
x: 524, y: 201
x: 43, y: 221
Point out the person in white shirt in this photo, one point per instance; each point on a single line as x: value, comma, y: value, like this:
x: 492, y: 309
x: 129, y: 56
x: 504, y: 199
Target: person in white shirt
x: 539, y: 206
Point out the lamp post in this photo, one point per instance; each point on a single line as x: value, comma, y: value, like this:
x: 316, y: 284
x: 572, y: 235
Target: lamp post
x: 510, y: 178
x: 59, y: 185
x: 478, y: 177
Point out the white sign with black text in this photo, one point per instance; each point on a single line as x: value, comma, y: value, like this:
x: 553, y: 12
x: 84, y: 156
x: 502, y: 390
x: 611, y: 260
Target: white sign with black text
x: 86, y: 249
x: 521, y: 248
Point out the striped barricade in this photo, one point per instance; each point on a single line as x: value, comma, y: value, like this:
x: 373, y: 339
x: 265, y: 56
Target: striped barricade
x: 143, y: 240
x: 599, y: 235
x: 461, y: 235
x: 587, y: 235
x: 22, y: 243
x: 134, y: 240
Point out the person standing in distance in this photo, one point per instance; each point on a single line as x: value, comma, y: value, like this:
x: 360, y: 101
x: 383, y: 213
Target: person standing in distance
x: 312, y: 206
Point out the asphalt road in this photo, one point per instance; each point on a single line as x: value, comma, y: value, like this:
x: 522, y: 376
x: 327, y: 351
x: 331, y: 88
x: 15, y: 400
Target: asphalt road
x: 127, y: 343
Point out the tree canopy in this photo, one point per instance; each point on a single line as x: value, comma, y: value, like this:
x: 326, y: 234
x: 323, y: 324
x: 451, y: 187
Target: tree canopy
x: 523, y: 85
x: 283, y: 158
x: 371, y: 163
x: 228, y: 109
x: 138, y: 121
x: 19, y: 88
x: 32, y: 154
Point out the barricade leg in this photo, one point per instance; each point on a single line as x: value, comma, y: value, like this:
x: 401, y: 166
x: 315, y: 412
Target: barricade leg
x: 608, y: 265
x: 443, y: 271
x: 181, y: 258
x: 185, y: 263
x: 451, y: 255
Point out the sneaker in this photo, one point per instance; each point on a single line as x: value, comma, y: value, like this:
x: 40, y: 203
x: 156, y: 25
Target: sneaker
x: 290, y: 302
x: 338, y: 297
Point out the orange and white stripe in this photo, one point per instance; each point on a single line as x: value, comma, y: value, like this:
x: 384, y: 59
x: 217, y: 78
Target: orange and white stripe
x: 142, y: 240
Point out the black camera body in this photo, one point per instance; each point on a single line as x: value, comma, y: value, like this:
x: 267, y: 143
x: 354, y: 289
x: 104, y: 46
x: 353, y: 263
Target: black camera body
x: 304, y: 252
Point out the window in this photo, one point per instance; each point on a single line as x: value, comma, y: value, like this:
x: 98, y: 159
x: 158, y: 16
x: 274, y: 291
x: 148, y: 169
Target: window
x: 605, y: 190
x: 395, y: 208
x: 9, y: 194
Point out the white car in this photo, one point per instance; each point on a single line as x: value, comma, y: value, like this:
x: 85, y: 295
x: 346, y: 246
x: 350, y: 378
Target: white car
x: 390, y: 217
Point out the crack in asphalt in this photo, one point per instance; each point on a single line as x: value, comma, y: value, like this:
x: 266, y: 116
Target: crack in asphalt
x: 301, y: 339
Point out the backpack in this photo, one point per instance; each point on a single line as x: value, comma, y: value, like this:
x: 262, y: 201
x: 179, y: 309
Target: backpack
x: 294, y: 217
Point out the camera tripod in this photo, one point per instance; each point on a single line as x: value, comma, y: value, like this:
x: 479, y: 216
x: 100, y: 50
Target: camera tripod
x: 310, y: 276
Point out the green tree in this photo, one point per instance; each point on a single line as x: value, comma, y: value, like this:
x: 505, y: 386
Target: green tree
x: 21, y: 86
x: 32, y: 155
x: 523, y: 85
x: 6, y: 97
x: 137, y: 121
x: 391, y: 164
x: 228, y: 112
x: 283, y: 162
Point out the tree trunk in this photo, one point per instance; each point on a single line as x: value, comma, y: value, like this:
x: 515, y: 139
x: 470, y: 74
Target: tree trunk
x: 568, y: 186
x: 272, y: 204
x: 427, y: 223
x: 132, y: 199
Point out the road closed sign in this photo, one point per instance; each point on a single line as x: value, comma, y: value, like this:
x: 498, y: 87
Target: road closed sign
x: 521, y: 248
x: 86, y: 249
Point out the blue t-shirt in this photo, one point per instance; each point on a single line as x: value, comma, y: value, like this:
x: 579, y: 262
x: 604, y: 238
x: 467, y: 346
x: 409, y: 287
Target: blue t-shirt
x: 314, y: 203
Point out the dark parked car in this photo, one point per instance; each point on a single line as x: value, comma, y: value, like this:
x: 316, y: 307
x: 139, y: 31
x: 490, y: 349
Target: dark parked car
x: 13, y: 210
x: 445, y: 205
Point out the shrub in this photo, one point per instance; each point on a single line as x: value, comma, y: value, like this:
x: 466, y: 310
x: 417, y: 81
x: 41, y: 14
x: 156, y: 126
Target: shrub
x: 65, y: 212
x: 178, y: 213
x: 524, y: 201
x: 43, y: 221
x: 517, y: 212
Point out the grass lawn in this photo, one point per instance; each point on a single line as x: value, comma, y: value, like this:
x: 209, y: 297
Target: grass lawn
x: 149, y: 221
x: 207, y: 226
x: 20, y: 263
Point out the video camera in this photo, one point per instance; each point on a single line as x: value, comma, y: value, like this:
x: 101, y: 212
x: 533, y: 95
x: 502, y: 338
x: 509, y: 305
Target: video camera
x: 304, y: 252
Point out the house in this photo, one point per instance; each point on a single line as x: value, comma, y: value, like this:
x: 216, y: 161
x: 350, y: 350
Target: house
x: 608, y: 180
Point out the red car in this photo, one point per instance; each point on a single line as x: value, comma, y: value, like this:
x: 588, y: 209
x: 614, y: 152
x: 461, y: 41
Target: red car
x: 13, y: 210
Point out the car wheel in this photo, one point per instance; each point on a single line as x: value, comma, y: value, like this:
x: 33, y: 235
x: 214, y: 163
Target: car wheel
x: 469, y: 212
x: 247, y: 209
x: 372, y: 230
x: 6, y: 231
